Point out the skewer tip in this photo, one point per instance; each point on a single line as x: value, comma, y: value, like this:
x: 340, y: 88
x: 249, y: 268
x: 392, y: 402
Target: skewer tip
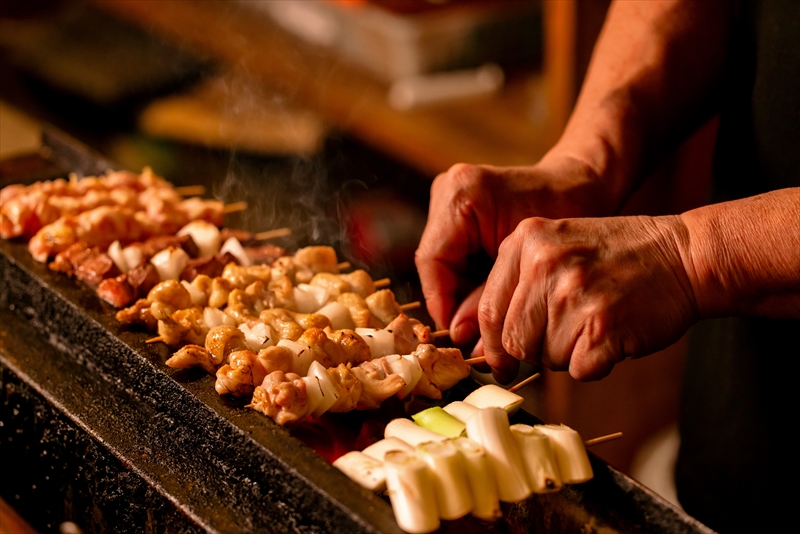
x: 154, y: 339
x: 410, y: 306
x: 440, y: 333
x: 235, y: 206
x: 477, y: 359
x: 602, y: 439
x: 524, y: 383
x: 383, y: 282
x: 269, y: 234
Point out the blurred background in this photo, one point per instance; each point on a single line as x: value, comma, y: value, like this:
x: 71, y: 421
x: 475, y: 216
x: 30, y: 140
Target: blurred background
x: 332, y: 117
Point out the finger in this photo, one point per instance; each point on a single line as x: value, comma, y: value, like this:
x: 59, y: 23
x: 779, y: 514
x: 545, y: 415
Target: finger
x: 495, y: 301
x: 593, y: 360
x: 464, y: 326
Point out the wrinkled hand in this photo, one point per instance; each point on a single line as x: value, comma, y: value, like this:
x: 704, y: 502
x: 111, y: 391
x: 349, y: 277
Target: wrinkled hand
x: 584, y: 294
x: 473, y: 208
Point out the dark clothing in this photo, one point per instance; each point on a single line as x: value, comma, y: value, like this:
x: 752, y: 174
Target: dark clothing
x: 738, y: 412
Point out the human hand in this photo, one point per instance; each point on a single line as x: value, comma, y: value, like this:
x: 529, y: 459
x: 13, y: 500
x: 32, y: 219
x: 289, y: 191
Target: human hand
x: 584, y: 294
x: 473, y: 208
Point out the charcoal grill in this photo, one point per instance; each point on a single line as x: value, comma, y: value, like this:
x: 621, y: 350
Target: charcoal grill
x: 97, y: 430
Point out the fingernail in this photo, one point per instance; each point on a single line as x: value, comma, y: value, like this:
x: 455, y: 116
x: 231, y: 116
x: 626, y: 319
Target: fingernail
x: 464, y: 332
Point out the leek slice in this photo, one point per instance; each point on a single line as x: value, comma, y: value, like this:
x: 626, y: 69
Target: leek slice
x: 410, y: 432
x: 461, y: 410
x: 133, y: 255
x: 328, y: 389
x: 301, y: 356
x: 339, y: 315
x: 450, y: 480
x: 409, y: 484
x: 381, y: 342
x: 362, y: 469
x: 489, y: 427
x: 439, y: 421
x: 407, y: 366
x: 570, y: 453
x: 539, y: 458
x: 257, y: 337
x: 314, y: 393
x: 482, y: 485
x: 491, y: 395
x: 205, y: 235
x: 319, y: 295
x: 115, y: 253
x: 379, y: 449
x: 235, y: 248
x: 198, y: 297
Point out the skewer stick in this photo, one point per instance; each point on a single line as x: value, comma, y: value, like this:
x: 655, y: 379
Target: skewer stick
x: 524, y: 383
x: 382, y: 282
x: 154, y: 339
x: 269, y: 234
x: 236, y: 206
x: 602, y: 439
x: 476, y: 359
x: 410, y: 306
x: 440, y: 333
x: 344, y: 265
x: 190, y: 190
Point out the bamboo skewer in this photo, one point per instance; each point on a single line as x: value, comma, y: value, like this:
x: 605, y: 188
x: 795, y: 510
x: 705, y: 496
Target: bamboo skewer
x: 440, y: 333
x: 602, y: 439
x: 154, y: 339
x: 190, y: 190
x: 382, y: 282
x: 477, y: 359
x: 344, y: 265
x: 410, y: 306
x: 524, y: 383
x: 234, y: 207
x: 269, y: 234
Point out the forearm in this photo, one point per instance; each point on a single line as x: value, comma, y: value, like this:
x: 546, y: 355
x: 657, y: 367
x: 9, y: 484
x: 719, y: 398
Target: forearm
x: 743, y: 257
x: 652, y: 79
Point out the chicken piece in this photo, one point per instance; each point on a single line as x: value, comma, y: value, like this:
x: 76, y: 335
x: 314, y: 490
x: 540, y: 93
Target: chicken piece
x: 377, y: 384
x: 408, y: 333
x: 282, y: 323
x: 276, y: 358
x: 444, y: 367
x: 359, y: 311
x: 194, y: 323
x: 244, y: 306
x: 360, y: 282
x: 310, y: 320
x: 241, y: 277
x: 281, y: 294
x: 284, y: 266
x: 238, y: 378
x: 190, y: 356
x: 317, y: 259
x: 348, y: 387
x: 171, y: 293
x: 222, y: 340
x: 53, y: 238
x: 138, y: 313
x: 334, y: 283
x: 220, y: 289
x: 353, y: 346
x: 383, y: 305
x: 116, y: 291
x: 143, y: 278
x: 211, y: 266
x: 68, y: 260
x: 282, y: 397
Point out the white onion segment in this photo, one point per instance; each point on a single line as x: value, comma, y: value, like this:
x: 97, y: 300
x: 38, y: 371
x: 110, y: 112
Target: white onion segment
x: 318, y: 296
x: 215, y: 317
x: 407, y: 366
x: 314, y: 393
x: 409, y: 484
x: 380, y: 342
x: 461, y: 410
x: 301, y: 356
x: 198, y: 296
x: 489, y: 427
x: 339, y: 316
x: 170, y: 262
x: 204, y: 234
x: 257, y: 337
x: 491, y: 395
x: 326, y: 385
x: 362, y: 469
x: 133, y: 256
x: 539, y: 458
x: 115, y: 253
x: 235, y: 248
x: 570, y: 453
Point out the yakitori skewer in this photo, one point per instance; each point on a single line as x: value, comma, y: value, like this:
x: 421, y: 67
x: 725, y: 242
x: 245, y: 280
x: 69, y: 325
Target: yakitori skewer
x: 524, y: 383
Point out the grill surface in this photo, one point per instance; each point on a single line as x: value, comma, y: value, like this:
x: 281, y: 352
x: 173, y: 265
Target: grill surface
x: 97, y: 430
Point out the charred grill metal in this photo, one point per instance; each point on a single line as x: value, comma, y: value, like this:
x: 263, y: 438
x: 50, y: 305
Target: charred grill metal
x: 104, y: 434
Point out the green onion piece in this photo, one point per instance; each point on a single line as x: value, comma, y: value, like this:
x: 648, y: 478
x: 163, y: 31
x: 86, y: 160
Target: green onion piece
x: 439, y: 421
